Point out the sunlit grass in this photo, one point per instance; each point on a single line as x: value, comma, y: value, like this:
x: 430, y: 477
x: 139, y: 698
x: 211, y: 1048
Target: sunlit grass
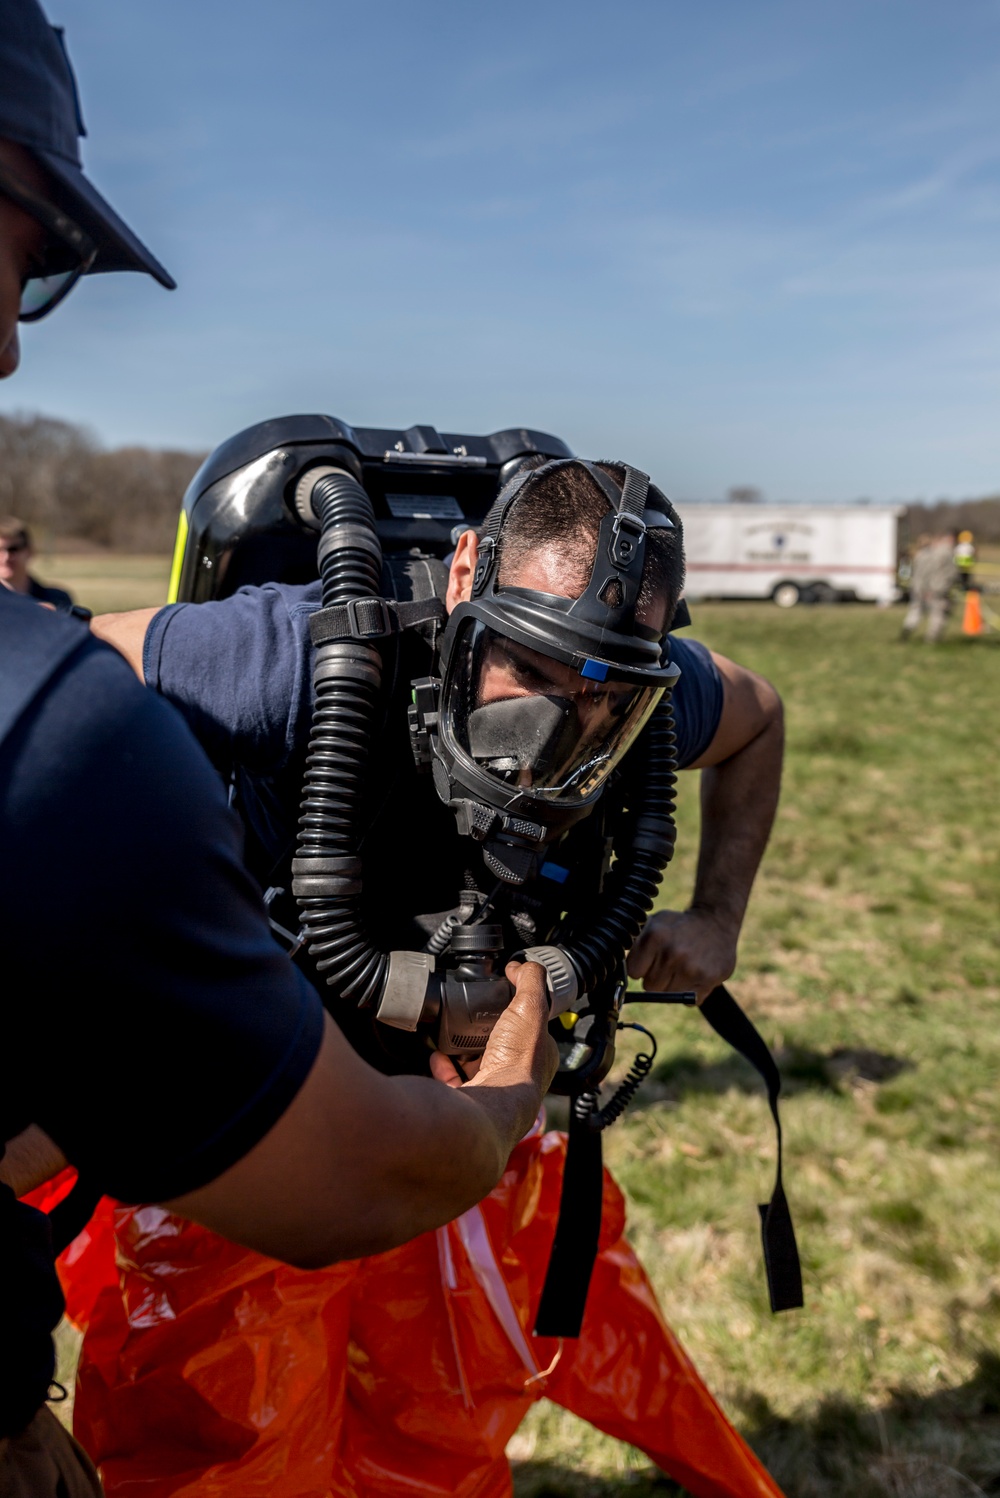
x: 870, y: 962
x: 106, y: 584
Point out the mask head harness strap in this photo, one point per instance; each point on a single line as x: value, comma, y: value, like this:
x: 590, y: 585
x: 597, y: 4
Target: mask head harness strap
x: 611, y: 597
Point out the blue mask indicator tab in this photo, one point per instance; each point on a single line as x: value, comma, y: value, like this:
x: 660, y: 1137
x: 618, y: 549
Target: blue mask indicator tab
x: 595, y: 670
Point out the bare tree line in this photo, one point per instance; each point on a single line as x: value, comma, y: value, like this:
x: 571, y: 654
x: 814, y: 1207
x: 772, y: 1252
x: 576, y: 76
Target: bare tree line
x: 980, y: 516
x: 59, y: 479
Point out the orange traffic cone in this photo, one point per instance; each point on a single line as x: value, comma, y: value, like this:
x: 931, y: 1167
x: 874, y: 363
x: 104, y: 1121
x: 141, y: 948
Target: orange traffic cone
x: 972, y: 623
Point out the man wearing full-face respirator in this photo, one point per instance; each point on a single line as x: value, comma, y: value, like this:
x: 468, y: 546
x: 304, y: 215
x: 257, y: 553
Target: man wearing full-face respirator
x: 520, y: 802
x: 558, y: 610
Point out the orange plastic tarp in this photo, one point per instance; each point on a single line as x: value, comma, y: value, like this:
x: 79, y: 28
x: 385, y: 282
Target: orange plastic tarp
x: 215, y: 1372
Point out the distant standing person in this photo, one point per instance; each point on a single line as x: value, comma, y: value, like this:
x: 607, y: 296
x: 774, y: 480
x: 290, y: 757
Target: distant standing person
x: 934, y: 576
x: 965, y: 559
x: 16, y: 552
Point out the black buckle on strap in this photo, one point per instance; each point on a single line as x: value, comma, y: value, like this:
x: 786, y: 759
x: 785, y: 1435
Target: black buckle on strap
x: 627, y: 535
x: 358, y: 619
x: 372, y: 618
x: 484, y: 564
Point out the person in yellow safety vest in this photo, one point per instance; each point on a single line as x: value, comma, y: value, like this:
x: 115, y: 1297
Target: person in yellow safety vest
x: 965, y: 559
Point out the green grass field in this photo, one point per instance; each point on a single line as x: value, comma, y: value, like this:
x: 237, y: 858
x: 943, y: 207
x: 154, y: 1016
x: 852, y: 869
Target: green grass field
x: 870, y: 962
x: 107, y: 584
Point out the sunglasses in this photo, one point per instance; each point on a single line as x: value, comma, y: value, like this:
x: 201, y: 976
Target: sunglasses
x: 54, y: 280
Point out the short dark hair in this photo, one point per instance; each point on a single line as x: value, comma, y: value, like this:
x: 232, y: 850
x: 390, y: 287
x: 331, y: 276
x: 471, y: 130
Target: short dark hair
x: 566, y: 508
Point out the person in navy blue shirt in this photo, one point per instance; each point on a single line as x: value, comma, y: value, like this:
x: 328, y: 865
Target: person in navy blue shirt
x: 132, y: 928
x: 240, y: 671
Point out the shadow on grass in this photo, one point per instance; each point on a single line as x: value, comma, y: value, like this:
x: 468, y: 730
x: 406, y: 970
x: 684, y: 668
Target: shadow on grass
x: 554, y: 1480
x: 802, y: 1070
x: 942, y: 1445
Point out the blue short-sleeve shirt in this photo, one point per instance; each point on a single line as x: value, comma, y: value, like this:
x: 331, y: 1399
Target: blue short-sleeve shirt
x: 240, y: 670
x: 135, y: 941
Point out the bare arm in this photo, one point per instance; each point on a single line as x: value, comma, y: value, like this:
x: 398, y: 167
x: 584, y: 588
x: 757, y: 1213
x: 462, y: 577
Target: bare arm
x: 126, y: 632
x: 30, y: 1160
x: 741, y: 777
x: 360, y: 1162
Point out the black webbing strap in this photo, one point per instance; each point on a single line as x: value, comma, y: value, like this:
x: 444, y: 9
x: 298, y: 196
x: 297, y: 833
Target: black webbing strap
x: 574, y: 1248
x: 631, y: 498
x: 372, y: 618
x: 31, y: 1304
x: 634, y: 491
x: 497, y: 512
x: 781, y: 1254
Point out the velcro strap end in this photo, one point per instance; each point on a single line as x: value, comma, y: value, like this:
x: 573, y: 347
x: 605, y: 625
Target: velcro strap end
x: 781, y: 1255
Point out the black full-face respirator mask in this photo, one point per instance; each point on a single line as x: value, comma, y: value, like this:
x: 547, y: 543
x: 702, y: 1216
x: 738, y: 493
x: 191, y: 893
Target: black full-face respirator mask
x: 542, y: 695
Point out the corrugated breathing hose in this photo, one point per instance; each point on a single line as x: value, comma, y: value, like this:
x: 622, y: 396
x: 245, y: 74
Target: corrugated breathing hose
x: 346, y: 676
x: 643, y: 848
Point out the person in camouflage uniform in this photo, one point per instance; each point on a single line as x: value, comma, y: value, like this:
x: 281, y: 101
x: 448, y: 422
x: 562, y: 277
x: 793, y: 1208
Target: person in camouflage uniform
x: 934, y: 575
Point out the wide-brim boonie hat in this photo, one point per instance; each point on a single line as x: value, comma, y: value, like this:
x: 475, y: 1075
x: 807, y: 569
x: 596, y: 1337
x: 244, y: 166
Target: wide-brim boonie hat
x: 40, y: 109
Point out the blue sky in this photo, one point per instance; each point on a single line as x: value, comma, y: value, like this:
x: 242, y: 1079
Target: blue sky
x: 748, y: 241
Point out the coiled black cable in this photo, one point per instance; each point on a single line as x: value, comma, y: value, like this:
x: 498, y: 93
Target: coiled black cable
x: 643, y: 848
x: 327, y: 867
x: 603, y: 1118
x: 438, y: 941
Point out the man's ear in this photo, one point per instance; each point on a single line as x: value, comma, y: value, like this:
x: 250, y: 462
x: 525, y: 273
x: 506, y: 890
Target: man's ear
x: 462, y: 571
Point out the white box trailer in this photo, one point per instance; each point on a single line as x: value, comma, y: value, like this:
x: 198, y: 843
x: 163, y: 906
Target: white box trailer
x: 792, y: 553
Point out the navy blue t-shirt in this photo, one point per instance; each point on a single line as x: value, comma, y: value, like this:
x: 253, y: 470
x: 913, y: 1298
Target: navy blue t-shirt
x: 240, y: 670
x: 152, y: 1026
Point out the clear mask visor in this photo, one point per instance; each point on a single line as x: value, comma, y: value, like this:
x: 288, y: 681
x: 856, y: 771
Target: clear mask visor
x: 535, y: 724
